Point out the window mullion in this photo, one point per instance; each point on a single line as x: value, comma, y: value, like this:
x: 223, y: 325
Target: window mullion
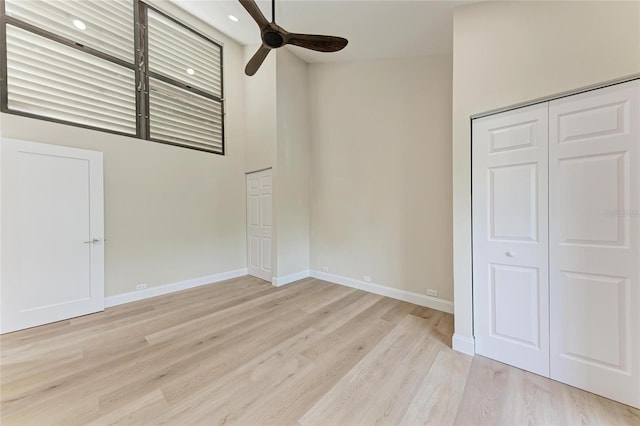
x: 4, y: 93
x: 142, y: 79
x: 184, y: 86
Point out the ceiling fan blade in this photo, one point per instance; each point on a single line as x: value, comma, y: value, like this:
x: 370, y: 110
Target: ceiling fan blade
x: 254, y: 11
x: 255, y: 62
x: 320, y: 43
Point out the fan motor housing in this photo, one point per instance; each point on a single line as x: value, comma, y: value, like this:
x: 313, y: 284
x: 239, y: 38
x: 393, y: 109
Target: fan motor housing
x: 273, y: 39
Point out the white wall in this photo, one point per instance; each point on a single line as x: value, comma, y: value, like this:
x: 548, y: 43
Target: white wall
x: 292, y: 185
x: 171, y: 214
x: 510, y: 52
x: 381, y: 172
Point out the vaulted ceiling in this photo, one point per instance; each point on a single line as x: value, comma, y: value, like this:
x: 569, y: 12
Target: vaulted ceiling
x: 375, y: 29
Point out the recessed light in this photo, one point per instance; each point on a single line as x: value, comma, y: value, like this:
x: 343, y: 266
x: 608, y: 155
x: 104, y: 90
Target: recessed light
x: 233, y: 18
x: 79, y: 24
x: 191, y: 71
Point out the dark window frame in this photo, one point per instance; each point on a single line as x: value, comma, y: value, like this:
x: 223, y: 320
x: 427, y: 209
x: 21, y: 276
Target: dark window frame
x: 139, y: 66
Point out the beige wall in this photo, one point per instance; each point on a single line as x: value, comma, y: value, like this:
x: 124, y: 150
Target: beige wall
x: 171, y: 214
x: 260, y: 104
x: 278, y: 138
x: 381, y: 172
x: 292, y: 184
x: 510, y: 52
x: 260, y: 126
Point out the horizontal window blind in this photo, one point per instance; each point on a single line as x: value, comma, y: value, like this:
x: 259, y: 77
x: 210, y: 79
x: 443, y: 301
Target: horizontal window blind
x: 178, y: 53
x: 182, y: 117
x: 113, y: 65
x: 107, y: 26
x: 53, y: 80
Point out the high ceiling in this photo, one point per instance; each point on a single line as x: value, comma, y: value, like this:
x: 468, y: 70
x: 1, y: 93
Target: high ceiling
x: 375, y: 29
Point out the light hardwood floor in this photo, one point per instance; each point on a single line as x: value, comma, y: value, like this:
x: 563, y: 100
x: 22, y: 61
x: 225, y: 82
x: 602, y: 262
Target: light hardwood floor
x: 244, y: 352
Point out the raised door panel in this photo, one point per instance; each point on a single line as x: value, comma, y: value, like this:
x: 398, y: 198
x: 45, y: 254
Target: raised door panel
x: 589, y: 187
x: 513, y: 194
x: 595, y: 339
x: 596, y: 120
x: 266, y: 210
x: 266, y: 254
x: 515, y: 305
x: 594, y: 170
x: 510, y: 274
x: 513, y: 136
x: 254, y: 252
x: 254, y: 210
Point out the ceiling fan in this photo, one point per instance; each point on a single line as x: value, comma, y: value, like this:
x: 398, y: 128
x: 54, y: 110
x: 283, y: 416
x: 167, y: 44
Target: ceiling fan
x: 273, y: 36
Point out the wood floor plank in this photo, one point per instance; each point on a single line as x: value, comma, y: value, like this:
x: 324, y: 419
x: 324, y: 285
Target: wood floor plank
x: 263, y: 375
x: 368, y: 392
x: 485, y: 393
x: 437, y: 400
x: 243, y: 352
x: 340, y: 318
x: 115, y: 329
x: 290, y: 403
x: 162, y: 363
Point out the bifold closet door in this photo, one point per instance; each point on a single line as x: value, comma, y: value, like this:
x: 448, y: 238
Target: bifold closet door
x: 510, y: 238
x: 594, y: 150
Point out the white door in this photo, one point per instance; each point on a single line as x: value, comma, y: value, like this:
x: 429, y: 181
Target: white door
x: 510, y: 241
x: 259, y: 226
x: 52, y: 229
x: 594, y: 148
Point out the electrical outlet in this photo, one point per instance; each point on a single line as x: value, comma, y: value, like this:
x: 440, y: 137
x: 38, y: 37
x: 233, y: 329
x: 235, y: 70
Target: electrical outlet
x: 367, y: 278
x: 325, y: 269
x: 141, y: 287
x: 432, y: 292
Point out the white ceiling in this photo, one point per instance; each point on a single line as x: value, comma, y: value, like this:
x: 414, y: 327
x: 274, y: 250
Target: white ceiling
x: 374, y: 28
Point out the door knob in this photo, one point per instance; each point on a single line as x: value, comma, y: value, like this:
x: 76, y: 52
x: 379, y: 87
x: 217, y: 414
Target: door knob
x: 93, y: 241
x: 511, y: 253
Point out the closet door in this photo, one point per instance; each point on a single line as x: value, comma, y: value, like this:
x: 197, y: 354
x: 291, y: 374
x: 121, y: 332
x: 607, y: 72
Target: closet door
x: 510, y: 238
x: 594, y: 149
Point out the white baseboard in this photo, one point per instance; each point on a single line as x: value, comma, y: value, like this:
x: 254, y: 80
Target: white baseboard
x: 133, y: 296
x: 463, y: 344
x: 407, y: 296
x: 288, y: 279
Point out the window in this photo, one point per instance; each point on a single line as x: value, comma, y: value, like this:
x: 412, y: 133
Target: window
x: 185, y: 85
x: 119, y: 66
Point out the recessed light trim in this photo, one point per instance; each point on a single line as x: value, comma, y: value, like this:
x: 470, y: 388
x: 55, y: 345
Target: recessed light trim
x: 79, y: 24
x: 191, y: 71
x: 233, y: 18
